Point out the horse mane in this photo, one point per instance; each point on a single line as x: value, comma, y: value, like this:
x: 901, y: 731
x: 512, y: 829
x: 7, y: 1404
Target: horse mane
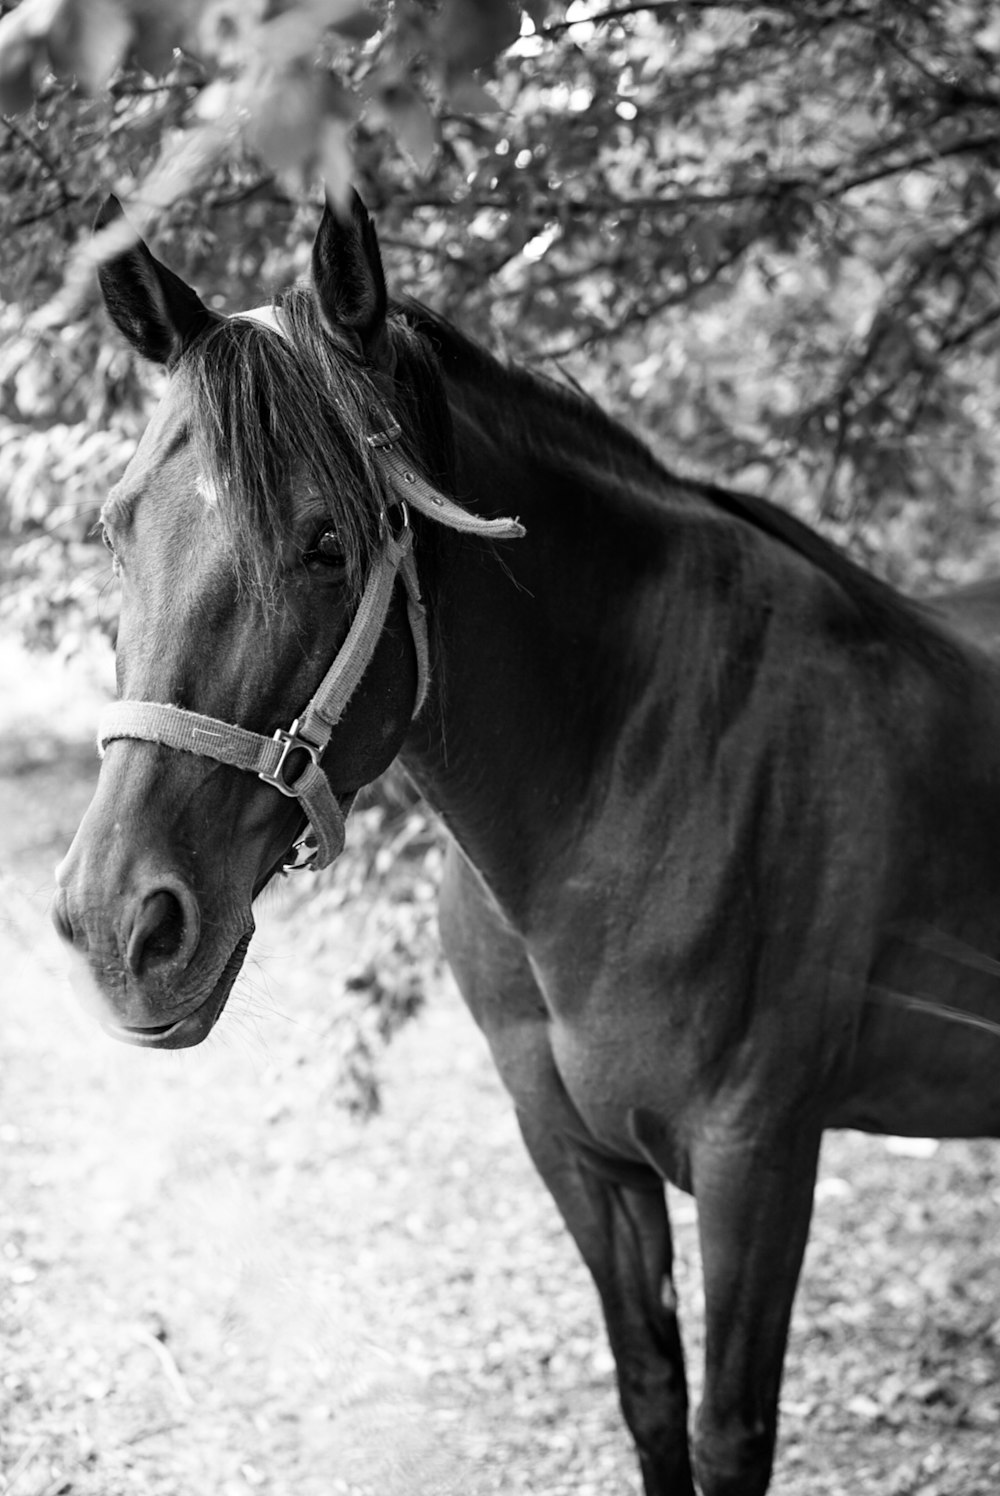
x: 600, y: 437
x: 519, y: 387
x: 271, y: 411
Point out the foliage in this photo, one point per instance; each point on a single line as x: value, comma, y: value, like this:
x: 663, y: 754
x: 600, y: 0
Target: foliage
x: 388, y: 878
x: 767, y: 234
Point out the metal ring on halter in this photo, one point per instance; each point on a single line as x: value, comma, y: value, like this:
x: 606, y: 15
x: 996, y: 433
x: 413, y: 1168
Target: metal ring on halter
x: 303, y: 856
x: 289, y: 741
x: 386, y: 528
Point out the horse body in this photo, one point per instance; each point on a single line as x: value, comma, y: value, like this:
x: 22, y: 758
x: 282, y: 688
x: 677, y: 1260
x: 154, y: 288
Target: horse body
x: 724, y: 814
x: 684, y: 945
x: 714, y: 850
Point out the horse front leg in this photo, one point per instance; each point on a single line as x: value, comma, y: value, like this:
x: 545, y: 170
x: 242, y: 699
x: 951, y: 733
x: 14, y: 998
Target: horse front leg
x: 754, y: 1206
x: 616, y: 1211
x: 623, y: 1234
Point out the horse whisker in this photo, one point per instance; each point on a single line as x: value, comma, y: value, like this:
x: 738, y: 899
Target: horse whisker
x: 951, y: 948
x: 932, y: 1008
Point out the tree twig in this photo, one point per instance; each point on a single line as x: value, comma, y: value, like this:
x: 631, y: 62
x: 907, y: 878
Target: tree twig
x: 42, y: 155
x: 619, y: 12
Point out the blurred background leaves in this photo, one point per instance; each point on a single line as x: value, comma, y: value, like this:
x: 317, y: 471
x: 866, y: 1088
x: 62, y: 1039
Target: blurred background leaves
x: 765, y: 235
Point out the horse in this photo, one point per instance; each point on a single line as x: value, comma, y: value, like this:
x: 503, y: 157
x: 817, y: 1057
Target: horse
x: 722, y: 808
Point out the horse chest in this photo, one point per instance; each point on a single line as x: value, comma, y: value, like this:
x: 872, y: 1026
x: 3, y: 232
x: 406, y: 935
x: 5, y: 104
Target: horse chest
x: 617, y: 1047
x: 608, y: 1078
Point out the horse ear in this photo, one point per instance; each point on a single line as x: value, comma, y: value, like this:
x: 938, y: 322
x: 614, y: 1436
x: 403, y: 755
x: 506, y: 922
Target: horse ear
x: 157, y: 312
x: 349, y: 282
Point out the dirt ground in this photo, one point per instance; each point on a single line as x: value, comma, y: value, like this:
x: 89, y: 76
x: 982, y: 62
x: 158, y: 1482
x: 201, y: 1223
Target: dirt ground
x: 212, y: 1280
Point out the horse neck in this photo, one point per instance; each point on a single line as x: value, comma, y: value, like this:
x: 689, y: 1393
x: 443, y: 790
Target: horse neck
x: 539, y: 644
x: 641, y: 629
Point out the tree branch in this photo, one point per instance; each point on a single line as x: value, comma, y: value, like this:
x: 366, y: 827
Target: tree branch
x: 973, y: 143
x: 971, y: 330
x: 32, y: 218
x: 619, y: 12
x: 244, y: 194
x: 43, y: 156
x: 643, y: 311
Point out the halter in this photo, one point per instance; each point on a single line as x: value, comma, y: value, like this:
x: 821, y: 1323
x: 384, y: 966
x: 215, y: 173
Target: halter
x: 310, y: 732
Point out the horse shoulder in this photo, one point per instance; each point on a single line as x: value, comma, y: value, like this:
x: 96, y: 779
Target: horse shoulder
x: 489, y: 961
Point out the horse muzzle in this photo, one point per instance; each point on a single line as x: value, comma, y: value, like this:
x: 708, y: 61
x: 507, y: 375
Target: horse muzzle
x: 192, y: 1027
x: 148, y: 973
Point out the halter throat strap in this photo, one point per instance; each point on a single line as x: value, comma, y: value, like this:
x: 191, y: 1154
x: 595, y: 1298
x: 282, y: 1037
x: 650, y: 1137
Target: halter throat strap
x: 277, y: 760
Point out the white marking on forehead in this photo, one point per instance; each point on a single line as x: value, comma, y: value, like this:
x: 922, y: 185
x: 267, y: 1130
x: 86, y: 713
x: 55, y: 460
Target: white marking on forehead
x: 206, y: 491
x: 266, y: 315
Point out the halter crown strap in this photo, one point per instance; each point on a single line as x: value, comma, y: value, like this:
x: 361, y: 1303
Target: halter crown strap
x: 268, y: 757
x: 408, y: 485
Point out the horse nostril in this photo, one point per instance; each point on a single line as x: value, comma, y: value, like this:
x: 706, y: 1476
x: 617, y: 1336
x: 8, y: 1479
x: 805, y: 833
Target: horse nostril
x: 162, y: 932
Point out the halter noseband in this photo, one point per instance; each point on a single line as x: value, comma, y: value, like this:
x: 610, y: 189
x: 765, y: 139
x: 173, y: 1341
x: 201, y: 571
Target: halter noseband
x: 310, y: 732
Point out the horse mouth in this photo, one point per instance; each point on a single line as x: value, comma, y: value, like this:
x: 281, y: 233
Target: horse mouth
x: 192, y: 1028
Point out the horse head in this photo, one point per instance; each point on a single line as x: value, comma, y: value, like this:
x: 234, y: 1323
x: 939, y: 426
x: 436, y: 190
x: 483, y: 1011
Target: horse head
x: 271, y: 635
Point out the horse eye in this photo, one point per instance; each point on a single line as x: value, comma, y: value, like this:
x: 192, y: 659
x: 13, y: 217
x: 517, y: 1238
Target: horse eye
x: 327, y: 549
x: 109, y: 545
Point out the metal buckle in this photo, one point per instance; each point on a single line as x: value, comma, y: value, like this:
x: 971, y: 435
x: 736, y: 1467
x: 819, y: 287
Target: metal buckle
x: 289, y: 741
x: 385, y: 438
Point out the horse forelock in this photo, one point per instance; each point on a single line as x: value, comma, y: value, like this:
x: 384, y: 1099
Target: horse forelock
x: 279, y: 414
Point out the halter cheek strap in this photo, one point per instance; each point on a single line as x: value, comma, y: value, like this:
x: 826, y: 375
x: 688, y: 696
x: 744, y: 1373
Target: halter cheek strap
x: 269, y: 757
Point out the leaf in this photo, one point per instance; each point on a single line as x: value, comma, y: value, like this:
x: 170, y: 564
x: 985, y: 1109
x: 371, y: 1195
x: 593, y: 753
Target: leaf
x: 864, y: 1407
x: 30, y: 21
x: 288, y: 39
x: 707, y: 243
x: 156, y: 33
x: 88, y: 40
x: 470, y: 33
x: 298, y: 31
x: 338, y: 14
x: 181, y: 164
x: 468, y: 96
x: 215, y: 101
x: 409, y: 117
x: 988, y: 39
x: 356, y: 24
x: 17, y: 72
x: 286, y: 120
x: 22, y: 35
x: 300, y: 119
x: 537, y: 11
x: 335, y: 100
